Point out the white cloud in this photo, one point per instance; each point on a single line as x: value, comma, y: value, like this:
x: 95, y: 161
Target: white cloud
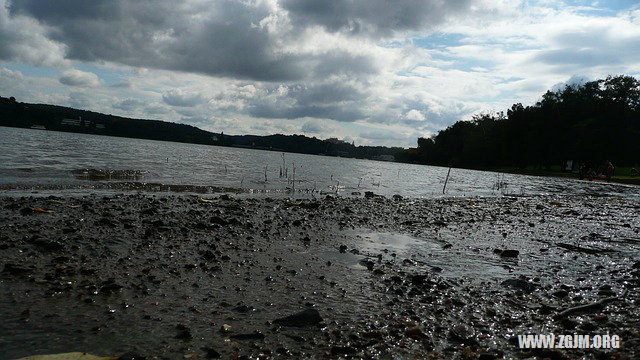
x: 414, y: 114
x: 75, y: 77
x: 279, y: 69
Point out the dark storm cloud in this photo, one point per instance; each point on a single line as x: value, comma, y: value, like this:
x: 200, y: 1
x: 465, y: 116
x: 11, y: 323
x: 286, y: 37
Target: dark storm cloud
x: 374, y: 17
x: 220, y: 38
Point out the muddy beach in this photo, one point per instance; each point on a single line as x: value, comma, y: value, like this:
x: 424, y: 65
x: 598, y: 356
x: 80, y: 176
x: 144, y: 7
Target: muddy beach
x: 178, y: 276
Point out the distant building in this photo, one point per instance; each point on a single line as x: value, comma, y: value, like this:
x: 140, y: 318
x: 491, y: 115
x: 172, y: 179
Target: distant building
x: 71, y: 122
x: 81, y: 123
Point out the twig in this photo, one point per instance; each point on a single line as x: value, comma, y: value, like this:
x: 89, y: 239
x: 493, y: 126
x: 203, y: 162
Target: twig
x: 445, y: 181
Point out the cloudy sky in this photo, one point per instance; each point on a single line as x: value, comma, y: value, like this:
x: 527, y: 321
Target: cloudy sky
x: 373, y: 71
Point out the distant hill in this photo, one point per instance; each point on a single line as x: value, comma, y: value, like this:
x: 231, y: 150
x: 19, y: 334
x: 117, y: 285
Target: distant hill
x: 59, y: 118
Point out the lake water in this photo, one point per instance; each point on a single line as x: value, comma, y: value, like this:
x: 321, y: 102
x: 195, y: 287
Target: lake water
x: 49, y: 160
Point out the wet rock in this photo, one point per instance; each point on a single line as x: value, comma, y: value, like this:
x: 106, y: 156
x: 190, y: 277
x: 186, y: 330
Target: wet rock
x: 46, y: 244
x: 414, y: 332
x: 488, y: 356
x: 397, y: 197
x: 225, y: 328
x: 211, y: 353
x: 14, y: 269
x: 209, y: 255
x: 521, y: 284
x: 110, y: 286
x: 369, y: 194
x: 510, y: 253
x: 343, y: 350
x: 367, y: 263
x: 343, y: 249
x: 243, y: 309
x: 462, y: 333
x: 256, y: 335
x: 560, y: 294
x: 308, y: 317
x: 184, y: 333
x: 131, y: 355
x: 418, y: 279
x: 218, y: 220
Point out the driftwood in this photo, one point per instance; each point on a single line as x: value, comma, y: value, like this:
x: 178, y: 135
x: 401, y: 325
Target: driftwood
x: 581, y: 249
x: 598, y: 305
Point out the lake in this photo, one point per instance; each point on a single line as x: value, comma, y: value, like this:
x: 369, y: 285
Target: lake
x: 56, y: 161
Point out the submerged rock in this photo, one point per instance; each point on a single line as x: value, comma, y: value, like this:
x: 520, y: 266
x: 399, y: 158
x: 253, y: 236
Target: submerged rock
x: 519, y: 284
x: 308, y: 317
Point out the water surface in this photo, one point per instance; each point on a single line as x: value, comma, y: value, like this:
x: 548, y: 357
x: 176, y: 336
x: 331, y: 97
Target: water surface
x: 57, y: 160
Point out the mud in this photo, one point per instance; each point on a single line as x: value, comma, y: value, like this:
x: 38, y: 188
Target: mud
x: 174, y: 276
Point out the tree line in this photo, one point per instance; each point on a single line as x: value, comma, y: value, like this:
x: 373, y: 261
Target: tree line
x: 53, y: 117
x: 593, y: 122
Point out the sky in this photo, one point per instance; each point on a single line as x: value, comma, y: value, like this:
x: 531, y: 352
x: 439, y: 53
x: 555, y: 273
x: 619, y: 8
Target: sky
x: 375, y: 72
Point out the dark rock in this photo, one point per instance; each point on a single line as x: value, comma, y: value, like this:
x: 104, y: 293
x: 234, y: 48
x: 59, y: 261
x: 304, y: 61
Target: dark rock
x: 184, y: 333
x: 256, y: 335
x: 487, y: 356
x: 418, y: 279
x: 218, y: 220
x: 209, y: 255
x: 397, y: 197
x: 369, y: 194
x: 368, y: 264
x: 304, y: 318
x: 510, y: 253
x: 343, y: 248
x: 560, y: 294
x: 131, y: 355
x: 14, y: 269
x: 519, y: 284
x: 26, y: 211
x: 244, y: 309
x: 343, y: 350
x: 211, y: 353
x: 46, y: 244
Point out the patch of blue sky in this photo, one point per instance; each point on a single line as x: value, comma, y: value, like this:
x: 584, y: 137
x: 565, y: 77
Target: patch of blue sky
x: 33, y: 71
x: 108, y: 76
x: 592, y: 7
x: 438, y: 40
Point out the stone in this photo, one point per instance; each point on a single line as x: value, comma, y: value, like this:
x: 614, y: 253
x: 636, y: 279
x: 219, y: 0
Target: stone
x: 308, y: 317
x: 510, y: 253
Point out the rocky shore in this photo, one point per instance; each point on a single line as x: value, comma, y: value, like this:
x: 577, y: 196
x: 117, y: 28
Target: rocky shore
x: 180, y: 276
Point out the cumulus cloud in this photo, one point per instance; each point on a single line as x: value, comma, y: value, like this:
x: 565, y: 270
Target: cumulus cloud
x: 10, y: 74
x: 182, y: 98
x: 80, y: 78
x: 402, y: 68
x: 24, y: 39
x: 416, y: 115
x: 128, y: 104
x: 377, y: 18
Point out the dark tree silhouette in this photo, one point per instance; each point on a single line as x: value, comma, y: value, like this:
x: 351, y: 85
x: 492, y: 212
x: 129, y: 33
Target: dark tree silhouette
x: 596, y: 121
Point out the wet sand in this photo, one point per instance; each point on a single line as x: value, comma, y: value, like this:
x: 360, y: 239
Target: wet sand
x: 169, y: 276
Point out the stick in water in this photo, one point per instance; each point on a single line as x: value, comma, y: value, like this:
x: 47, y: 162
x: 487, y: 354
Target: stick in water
x: 445, y: 181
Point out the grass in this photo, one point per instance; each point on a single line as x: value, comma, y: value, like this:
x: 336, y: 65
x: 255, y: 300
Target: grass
x: 622, y: 174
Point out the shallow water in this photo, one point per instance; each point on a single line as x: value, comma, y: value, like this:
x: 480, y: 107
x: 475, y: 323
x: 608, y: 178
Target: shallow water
x: 36, y: 159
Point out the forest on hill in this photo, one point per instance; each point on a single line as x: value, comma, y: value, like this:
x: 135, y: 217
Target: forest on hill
x: 59, y: 118
x: 593, y: 122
